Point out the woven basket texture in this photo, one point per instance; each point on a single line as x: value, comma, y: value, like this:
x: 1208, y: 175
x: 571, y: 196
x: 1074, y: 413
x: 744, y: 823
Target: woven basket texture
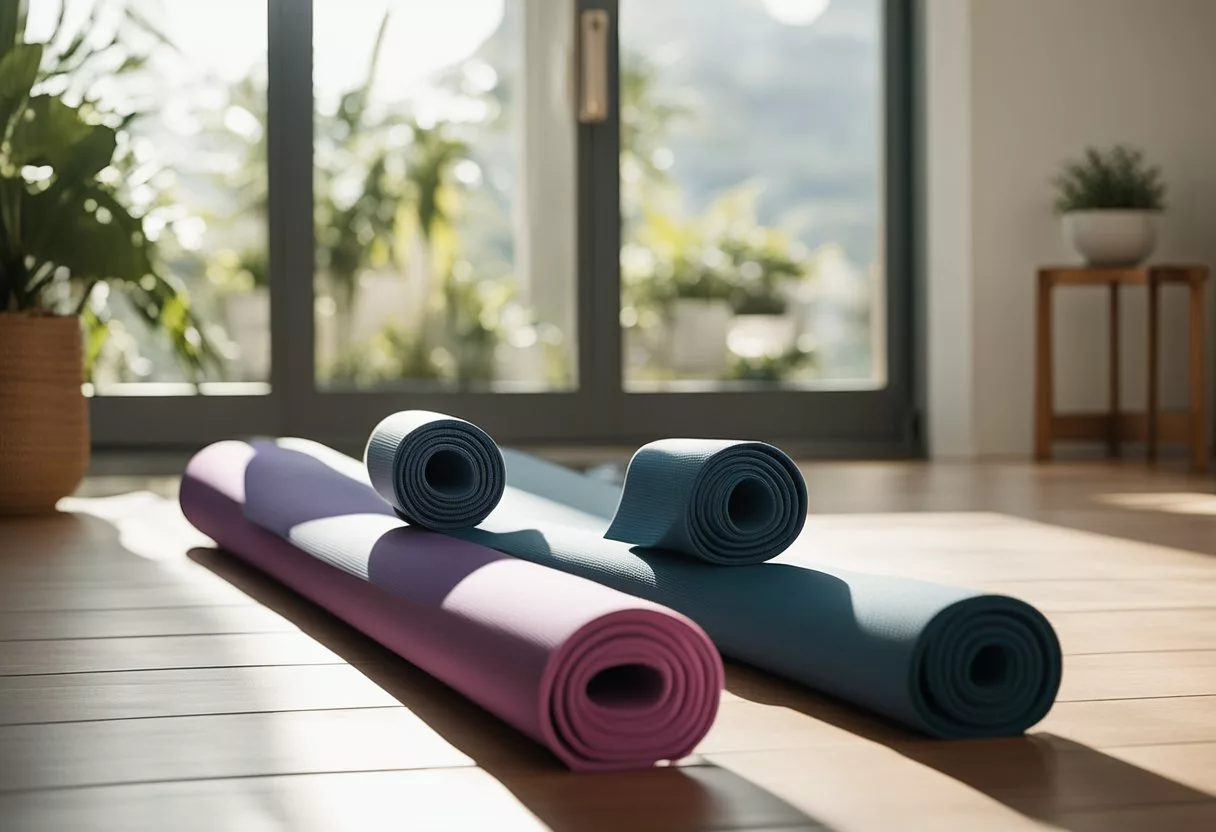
x: 44, y: 422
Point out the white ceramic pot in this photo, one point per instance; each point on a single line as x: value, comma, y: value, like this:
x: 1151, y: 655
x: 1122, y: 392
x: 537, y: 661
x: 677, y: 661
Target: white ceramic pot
x: 753, y: 336
x: 698, y: 336
x: 1111, y: 237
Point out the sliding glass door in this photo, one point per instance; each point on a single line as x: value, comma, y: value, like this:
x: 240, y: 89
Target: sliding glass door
x: 571, y: 221
x: 762, y: 286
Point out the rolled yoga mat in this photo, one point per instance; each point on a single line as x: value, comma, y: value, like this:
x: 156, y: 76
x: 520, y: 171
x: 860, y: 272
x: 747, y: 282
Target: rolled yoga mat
x: 724, y: 502
x: 439, y: 472
x: 947, y: 661
x: 604, y: 680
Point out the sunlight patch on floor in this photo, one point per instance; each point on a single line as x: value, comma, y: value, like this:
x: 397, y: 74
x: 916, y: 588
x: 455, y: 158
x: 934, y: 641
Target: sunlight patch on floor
x: 1171, y: 503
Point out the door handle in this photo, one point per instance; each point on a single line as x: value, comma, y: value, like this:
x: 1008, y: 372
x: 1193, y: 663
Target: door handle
x: 593, y: 67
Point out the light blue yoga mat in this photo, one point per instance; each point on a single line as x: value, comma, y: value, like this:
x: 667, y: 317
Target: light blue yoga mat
x: 946, y: 661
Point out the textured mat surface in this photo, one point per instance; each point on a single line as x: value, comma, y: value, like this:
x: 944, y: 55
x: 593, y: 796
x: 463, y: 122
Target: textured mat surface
x: 946, y: 661
x: 604, y: 680
x: 728, y: 503
x: 439, y: 472
x: 720, y: 501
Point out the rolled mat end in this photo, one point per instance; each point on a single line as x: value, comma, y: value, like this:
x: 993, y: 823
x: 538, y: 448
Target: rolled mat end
x: 606, y: 681
x: 724, y: 502
x: 632, y: 686
x: 986, y: 666
x: 436, y: 471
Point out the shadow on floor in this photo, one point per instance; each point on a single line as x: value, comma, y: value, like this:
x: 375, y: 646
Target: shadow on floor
x: 1044, y: 777
x: 685, y: 797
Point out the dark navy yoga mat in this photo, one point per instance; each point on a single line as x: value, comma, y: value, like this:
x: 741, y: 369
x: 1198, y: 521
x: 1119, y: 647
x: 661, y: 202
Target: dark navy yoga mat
x: 438, y: 472
x: 721, y: 501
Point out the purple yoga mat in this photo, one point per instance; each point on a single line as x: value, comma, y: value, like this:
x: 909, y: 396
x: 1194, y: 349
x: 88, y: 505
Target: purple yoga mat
x: 604, y: 680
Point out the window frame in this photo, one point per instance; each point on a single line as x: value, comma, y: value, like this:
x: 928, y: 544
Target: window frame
x: 854, y: 423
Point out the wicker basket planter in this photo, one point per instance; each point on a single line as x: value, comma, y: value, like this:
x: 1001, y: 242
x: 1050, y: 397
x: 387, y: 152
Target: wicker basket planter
x: 44, y: 423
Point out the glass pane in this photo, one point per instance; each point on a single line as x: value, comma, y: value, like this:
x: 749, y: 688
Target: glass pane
x: 751, y: 142
x: 184, y: 85
x: 443, y: 181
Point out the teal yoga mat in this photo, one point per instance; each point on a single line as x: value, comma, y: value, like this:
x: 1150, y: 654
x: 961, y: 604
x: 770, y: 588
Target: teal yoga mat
x: 950, y: 662
x: 720, y: 501
x: 946, y: 661
x: 727, y: 503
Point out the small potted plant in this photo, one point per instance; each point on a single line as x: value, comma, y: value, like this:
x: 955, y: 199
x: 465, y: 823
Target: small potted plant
x: 766, y: 272
x: 64, y: 233
x: 1109, y: 201
x: 676, y: 273
x: 699, y: 312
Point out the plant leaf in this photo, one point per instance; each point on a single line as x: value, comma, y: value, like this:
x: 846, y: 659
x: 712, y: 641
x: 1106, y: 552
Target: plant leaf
x: 18, y: 69
x: 82, y: 160
x: 12, y: 24
x: 45, y: 132
x: 64, y: 228
x: 1117, y: 178
x: 96, y: 324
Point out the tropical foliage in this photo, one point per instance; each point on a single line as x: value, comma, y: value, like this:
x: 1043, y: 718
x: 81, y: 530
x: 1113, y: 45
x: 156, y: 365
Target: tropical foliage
x: 723, y: 254
x: 66, y: 236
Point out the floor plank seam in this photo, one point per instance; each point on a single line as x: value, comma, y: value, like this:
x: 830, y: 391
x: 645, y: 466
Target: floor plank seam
x: 183, y: 667
x: 554, y: 769
x: 1134, y: 652
x: 201, y: 715
x: 151, y: 635
x: 121, y: 783
x: 1101, y: 580
x: 1154, y: 744
x: 1135, y: 698
x: 1135, y: 807
x: 1133, y: 610
x: 1148, y: 652
x: 68, y: 610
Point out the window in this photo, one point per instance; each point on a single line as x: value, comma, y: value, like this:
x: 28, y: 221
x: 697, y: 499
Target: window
x: 379, y: 204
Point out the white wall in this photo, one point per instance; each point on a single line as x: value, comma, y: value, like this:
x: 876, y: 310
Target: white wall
x: 945, y: 122
x: 1048, y: 77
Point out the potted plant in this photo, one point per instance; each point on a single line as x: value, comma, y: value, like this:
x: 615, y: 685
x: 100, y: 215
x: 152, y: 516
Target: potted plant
x: 699, y: 312
x: 771, y: 367
x: 63, y: 233
x: 676, y: 274
x: 1109, y: 201
x: 765, y: 269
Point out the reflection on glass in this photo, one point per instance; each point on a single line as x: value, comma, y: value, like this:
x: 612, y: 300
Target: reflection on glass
x: 751, y: 192
x: 421, y: 271
x: 184, y: 83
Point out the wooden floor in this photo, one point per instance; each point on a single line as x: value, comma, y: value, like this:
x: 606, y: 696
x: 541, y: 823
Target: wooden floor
x: 149, y: 682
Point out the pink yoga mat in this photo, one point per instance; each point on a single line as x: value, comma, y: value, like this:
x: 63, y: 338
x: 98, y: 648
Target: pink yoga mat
x: 604, y: 680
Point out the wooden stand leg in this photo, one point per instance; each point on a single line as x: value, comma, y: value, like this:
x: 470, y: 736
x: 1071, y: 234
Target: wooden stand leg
x: 1112, y: 427
x: 1150, y: 438
x: 1199, y: 444
x: 1043, y: 380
